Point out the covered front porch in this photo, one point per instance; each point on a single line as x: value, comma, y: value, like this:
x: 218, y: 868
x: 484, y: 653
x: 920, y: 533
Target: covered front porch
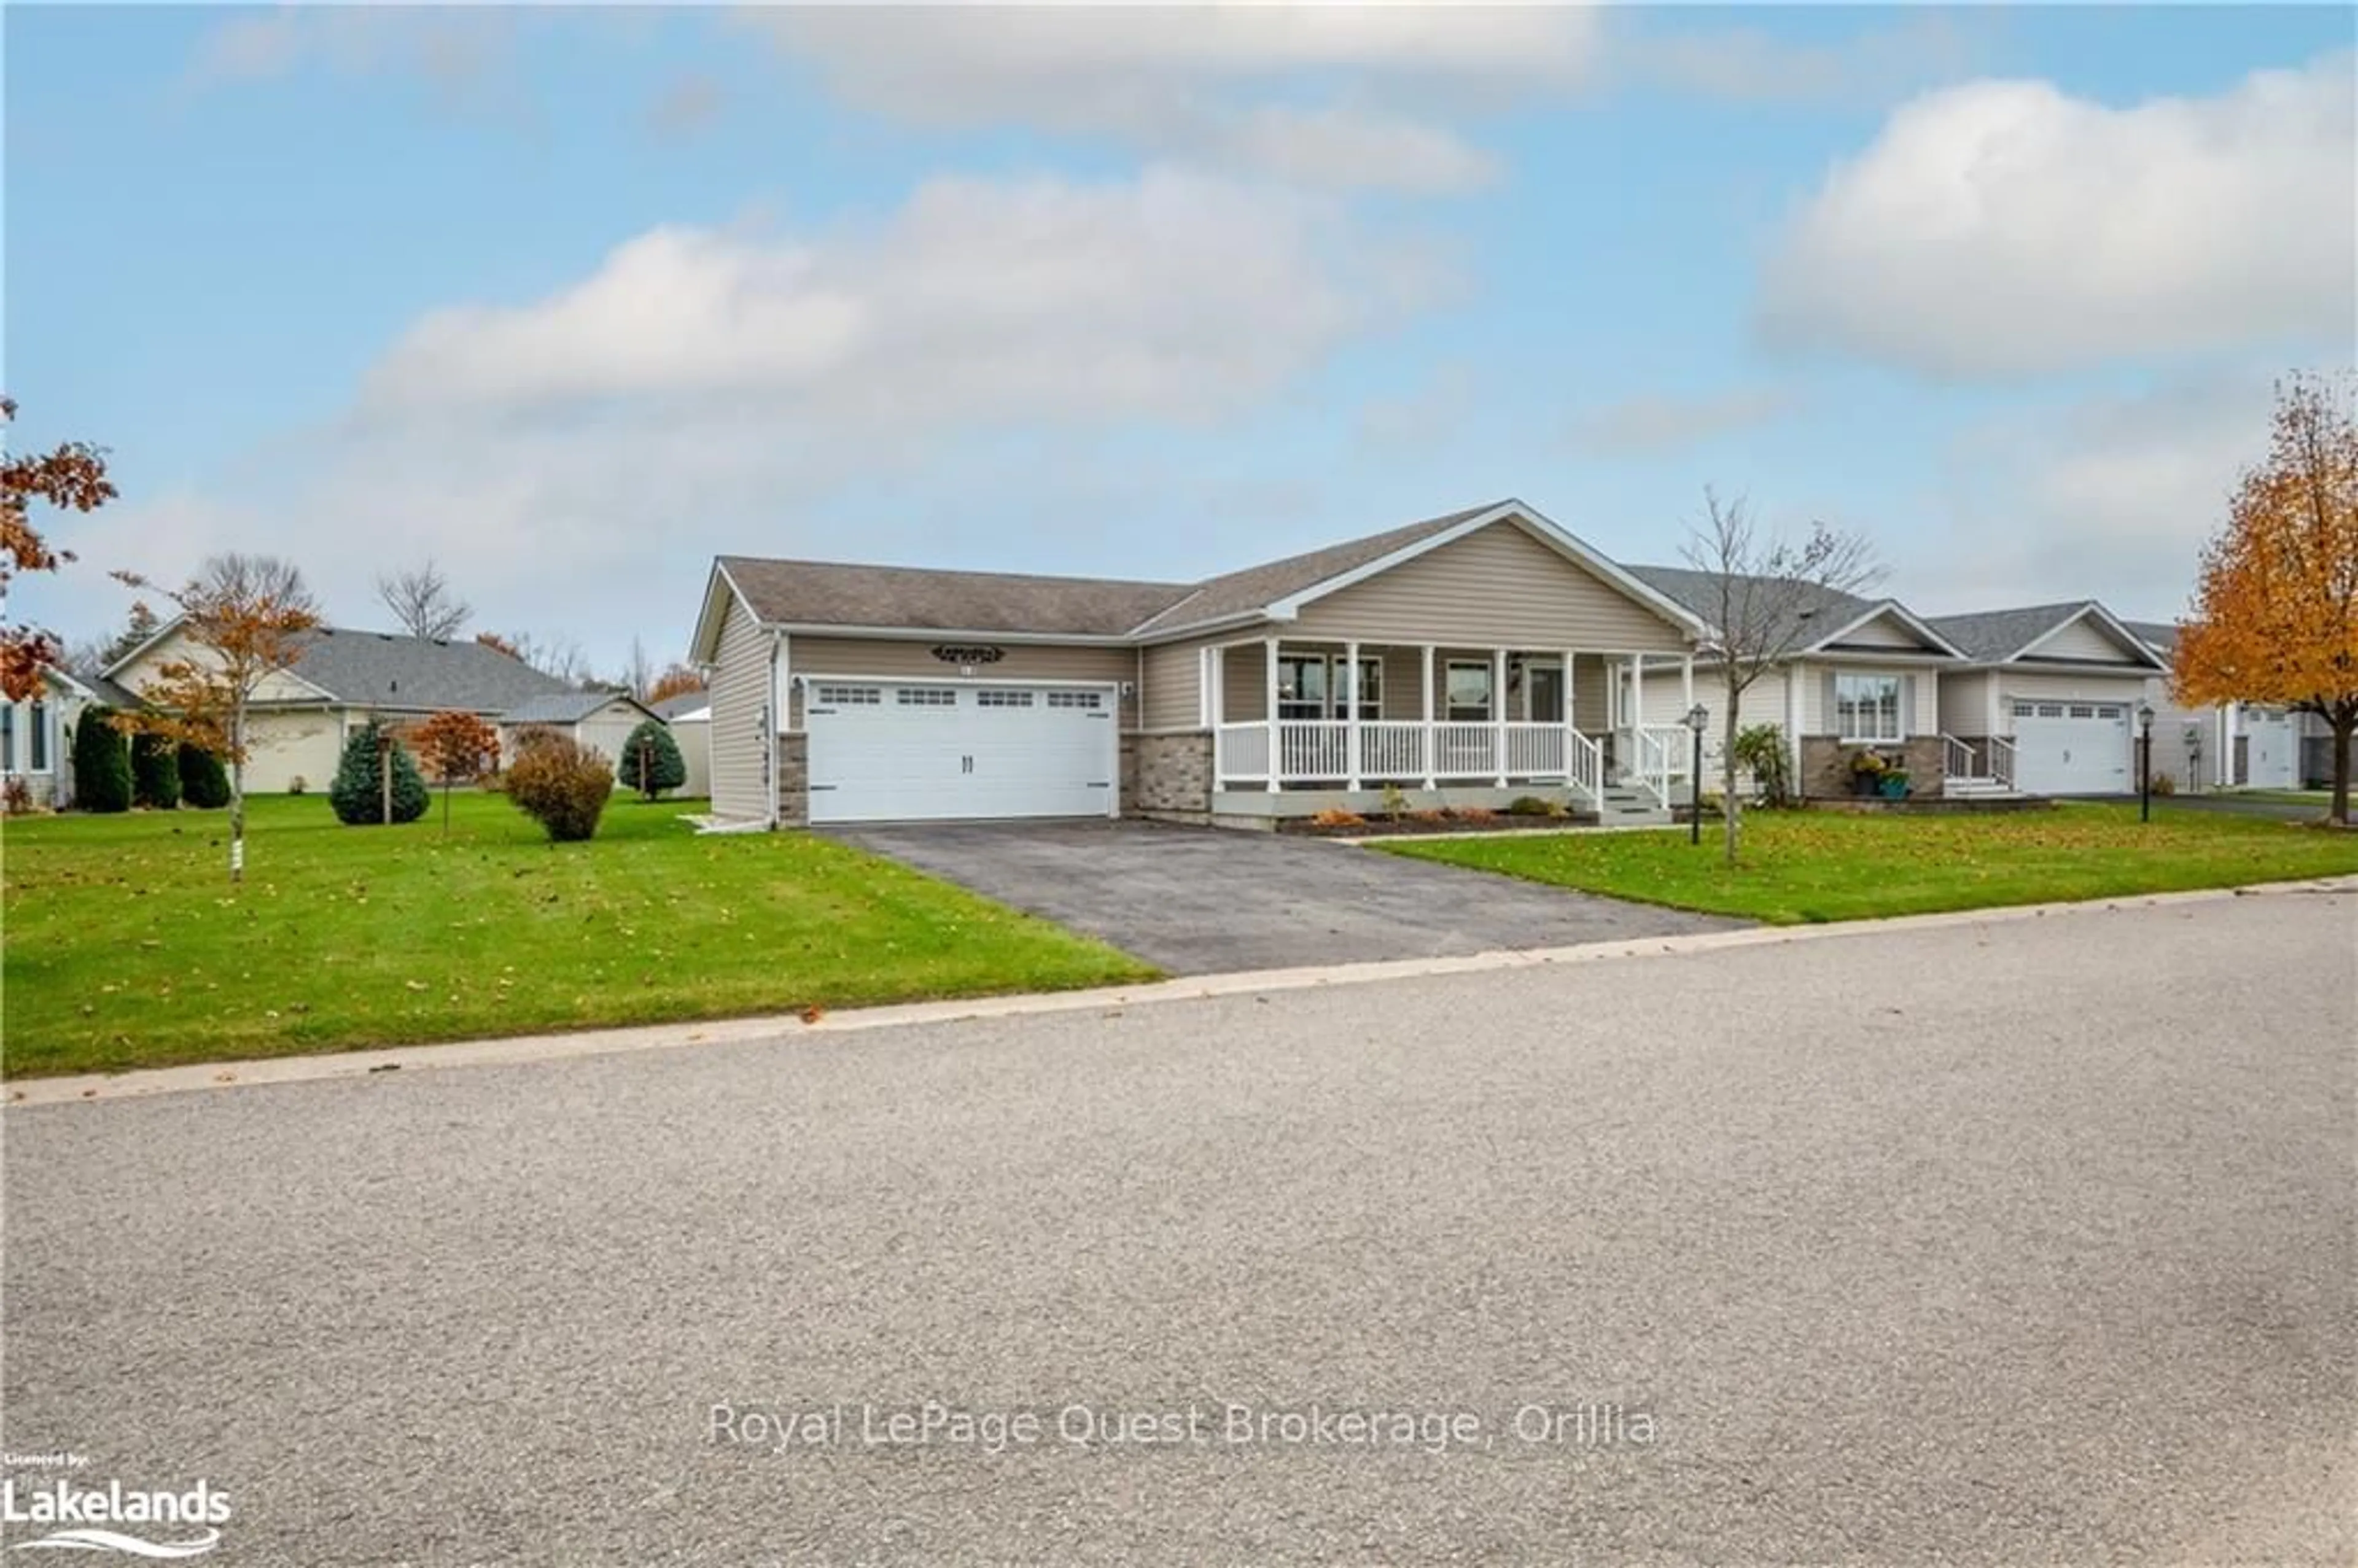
x: 1307, y: 725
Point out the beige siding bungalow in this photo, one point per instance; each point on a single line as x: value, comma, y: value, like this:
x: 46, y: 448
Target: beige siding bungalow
x: 1466, y: 659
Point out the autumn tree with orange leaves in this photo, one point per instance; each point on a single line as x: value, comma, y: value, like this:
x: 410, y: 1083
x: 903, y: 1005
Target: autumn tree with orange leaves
x: 73, y: 477
x: 456, y: 746
x: 246, y: 617
x: 676, y: 681
x: 2276, y: 615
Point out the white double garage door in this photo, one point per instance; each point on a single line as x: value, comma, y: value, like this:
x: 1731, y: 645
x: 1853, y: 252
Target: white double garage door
x: 893, y: 751
x: 2073, y: 747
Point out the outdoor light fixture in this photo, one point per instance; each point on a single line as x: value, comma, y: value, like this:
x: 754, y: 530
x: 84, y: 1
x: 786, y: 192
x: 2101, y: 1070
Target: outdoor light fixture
x: 2144, y: 762
x: 1698, y: 720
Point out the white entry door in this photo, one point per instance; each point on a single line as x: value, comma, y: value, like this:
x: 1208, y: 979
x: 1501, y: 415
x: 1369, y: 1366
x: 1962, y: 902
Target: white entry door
x: 2271, y: 749
x: 925, y: 751
x: 2073, y: 747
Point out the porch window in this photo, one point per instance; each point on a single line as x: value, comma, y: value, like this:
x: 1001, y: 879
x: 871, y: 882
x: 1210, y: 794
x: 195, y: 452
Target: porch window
x: 1468, y: 693
x: 7, y: 736
x: 1302, y: 686
x: 37, y: 741
x: 1866, y: 707
x: 1312, y: 686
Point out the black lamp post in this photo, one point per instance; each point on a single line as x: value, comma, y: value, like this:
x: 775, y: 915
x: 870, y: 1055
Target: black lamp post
x: 1697, y: 720
x: 2144, y: 762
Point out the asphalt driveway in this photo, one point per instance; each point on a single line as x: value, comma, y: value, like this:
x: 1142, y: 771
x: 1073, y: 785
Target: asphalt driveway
x: 1200, y: 901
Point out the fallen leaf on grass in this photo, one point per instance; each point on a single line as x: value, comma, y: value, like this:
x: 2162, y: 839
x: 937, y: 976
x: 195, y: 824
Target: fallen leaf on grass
x: 812, y: 1014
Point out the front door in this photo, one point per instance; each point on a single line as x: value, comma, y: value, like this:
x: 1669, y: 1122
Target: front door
x: 1544, y: 694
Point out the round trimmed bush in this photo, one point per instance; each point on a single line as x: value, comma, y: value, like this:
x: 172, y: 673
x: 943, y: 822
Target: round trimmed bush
x: 205, y: 783
x: 155, y: 772
x: 358, y: 793
x: 102, y: 761
x: 560, y: 784
x: 651, y: 762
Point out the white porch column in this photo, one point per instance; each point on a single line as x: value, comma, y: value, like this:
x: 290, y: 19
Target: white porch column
x: 1499, y: 712
x: 1351, y: 724
x: 1686, y: 684
x: 1570, y: 730
x: 1431, y: 748
x: 1275, y: 755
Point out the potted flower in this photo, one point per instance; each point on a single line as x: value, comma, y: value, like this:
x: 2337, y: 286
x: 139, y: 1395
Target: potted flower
x: 1866, y: 771
x: 1892, y: 783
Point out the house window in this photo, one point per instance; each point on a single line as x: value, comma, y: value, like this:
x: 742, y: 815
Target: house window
x: 927, y: 696
x: 1368, y: 693
x: 7, y: 737
x: 1075, y: 699
x: 1866, y: 707
x: 39, y: 741
x: 1312, y: 686
x: 1468, y: 693
x: 987, y: 697
x: 850, y: 696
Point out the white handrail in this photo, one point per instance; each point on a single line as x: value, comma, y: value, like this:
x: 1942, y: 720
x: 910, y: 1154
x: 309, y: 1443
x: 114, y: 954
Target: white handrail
x: 2002, y: 760
x: 1957, y: 757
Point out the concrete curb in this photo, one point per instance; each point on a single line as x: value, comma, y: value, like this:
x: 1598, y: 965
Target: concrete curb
x: 89, y: 1086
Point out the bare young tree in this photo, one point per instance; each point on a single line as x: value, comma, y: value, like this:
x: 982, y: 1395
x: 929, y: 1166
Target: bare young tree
x: 639, y: 674
x: 558, y: 656
x: 1765, y: 598
x: 247, y: 616
x: 423, y: 601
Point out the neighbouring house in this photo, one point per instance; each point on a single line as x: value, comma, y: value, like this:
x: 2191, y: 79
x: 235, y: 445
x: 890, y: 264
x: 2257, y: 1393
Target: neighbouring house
x: 2048, y: 701
x: 1463, y: 660
x: 601, y: 721
x: 2234, y: 744
x: 37, y: 735
x: 689, y: 718
x: 1865, y: 674
x: 297, y: 724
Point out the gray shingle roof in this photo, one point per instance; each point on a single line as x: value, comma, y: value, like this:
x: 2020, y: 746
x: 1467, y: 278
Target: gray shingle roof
x: 385, y: 669
x: 686, y: 702
x: 562, y: 707
x: 1241, y: 592
x: 1698, y: 591
x: 830, y: 593
x: 2162, y: 634
x: 1991, y: 635
x: 827, y: 593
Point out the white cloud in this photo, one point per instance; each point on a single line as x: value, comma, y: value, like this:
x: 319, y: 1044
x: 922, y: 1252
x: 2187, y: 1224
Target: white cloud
x: 1227, y: 86
x: 1176, y: 296
x: 452, y: 49
x: 2003, y: 227
x: 1650, y: 425
x: 2107, y: 496
x: 1747, y: 65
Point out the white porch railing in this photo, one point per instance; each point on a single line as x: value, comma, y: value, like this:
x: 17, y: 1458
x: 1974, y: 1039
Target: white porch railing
x: 1663, y: 758
x: 2002, y: 760
x: 1957, y: 758
x: 1406, y: 753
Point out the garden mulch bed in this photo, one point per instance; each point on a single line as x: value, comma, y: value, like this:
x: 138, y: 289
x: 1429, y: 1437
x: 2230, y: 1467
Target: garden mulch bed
x: 1385, y: 828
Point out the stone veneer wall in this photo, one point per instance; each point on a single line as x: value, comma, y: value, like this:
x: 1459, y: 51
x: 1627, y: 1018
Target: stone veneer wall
x: 1164, y: 775
x: 793, y: 780
x: 1825, y: 764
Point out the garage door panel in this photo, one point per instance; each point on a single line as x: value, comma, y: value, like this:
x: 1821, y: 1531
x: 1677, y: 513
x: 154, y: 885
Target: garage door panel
x: 2073, y: 748
x: 886, y: 751
x: 2271, y: 750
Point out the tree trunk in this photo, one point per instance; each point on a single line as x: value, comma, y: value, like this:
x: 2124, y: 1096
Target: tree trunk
x: 446, y: 806
x: 2344, y: 720
x: 237, y: 793
x: 1730, y: 812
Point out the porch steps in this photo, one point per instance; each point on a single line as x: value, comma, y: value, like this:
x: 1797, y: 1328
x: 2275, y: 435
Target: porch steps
x: 1621, y: 806
x: 1957, y: 788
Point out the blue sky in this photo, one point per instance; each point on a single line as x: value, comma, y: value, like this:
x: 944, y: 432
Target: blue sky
x: 572, y: 300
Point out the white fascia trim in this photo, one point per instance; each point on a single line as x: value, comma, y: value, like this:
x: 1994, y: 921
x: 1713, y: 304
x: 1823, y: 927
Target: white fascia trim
x: 1900, y: 613
x: 962, y: 633
x: 1532, y: 522
x: 704, y: 646
x: 2105, y: 618
x: 1203, y: 628
x: 128, y: 660
x: 807, y: 678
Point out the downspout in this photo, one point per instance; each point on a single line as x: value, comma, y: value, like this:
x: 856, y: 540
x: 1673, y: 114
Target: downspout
x: 777, y: 737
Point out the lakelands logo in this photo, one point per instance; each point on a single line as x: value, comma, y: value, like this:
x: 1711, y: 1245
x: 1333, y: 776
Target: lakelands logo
x: 89, y: 1518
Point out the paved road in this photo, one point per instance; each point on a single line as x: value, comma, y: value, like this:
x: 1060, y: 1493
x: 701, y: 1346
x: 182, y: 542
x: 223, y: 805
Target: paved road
x: 2010, y: 1243
x: 1200, y: 901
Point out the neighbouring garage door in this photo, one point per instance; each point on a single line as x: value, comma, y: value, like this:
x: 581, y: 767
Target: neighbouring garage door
x: 2271, y: 749
x: 912, y: 751
x: 2073, y: 748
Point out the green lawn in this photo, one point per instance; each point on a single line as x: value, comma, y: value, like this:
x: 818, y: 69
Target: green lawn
x: 126, y: 946
x: 1824, y: 865
x: 2320, y: 798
